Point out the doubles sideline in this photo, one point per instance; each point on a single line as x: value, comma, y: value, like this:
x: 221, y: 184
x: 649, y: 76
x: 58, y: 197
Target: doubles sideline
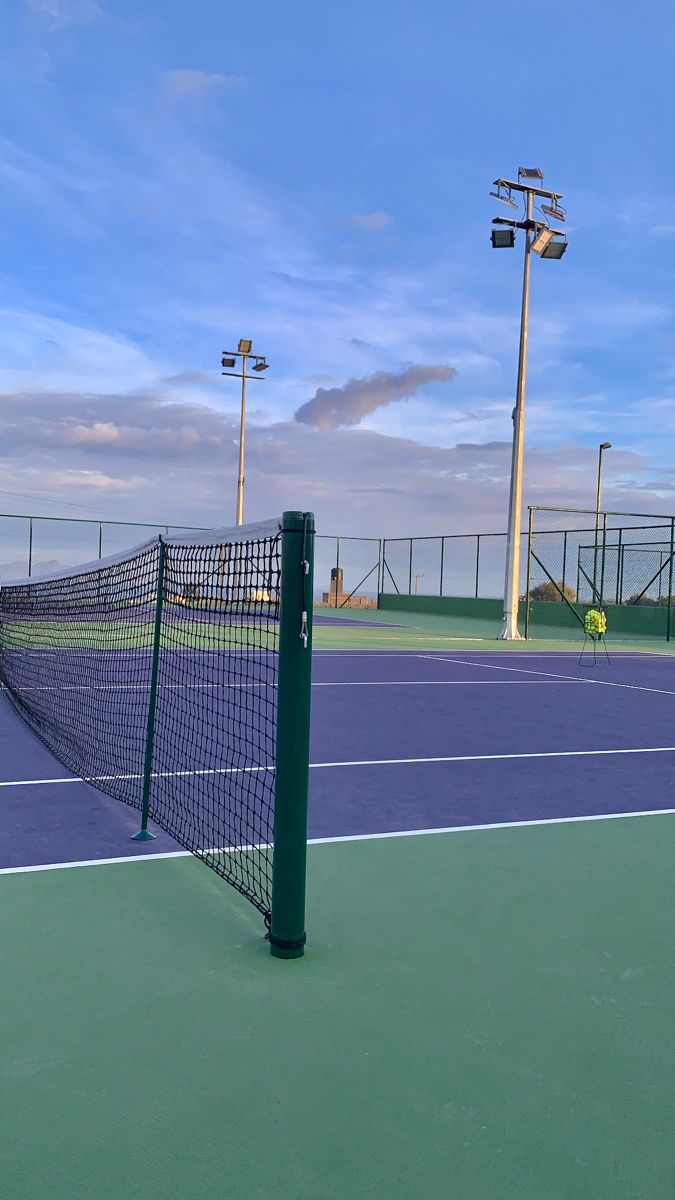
x: 366, y: 762
x: 350, y: 837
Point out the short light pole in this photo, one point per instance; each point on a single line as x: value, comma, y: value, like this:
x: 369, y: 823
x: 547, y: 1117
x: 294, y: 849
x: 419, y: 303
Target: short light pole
x: 602, y: 447
x: 260, y: 364
x: 547, y: 243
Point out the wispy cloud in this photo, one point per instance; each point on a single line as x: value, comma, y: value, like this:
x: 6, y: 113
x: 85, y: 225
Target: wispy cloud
x: 58, y: 14
x: 187, y: 82
x: 331, y: 408
x: 373, y: 222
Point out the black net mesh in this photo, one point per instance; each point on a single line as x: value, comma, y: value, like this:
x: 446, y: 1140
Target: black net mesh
x: 76, y: 657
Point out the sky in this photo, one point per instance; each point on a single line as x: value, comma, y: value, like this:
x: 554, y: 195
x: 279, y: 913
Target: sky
x: 316, y: 178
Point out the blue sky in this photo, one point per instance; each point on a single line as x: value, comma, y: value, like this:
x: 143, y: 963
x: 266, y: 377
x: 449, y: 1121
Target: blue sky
x: 315, y: 177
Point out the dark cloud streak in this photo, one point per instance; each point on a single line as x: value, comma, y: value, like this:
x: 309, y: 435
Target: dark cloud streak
x: 332, y: 408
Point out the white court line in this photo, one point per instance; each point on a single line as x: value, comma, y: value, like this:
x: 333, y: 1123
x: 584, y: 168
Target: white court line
x: 331, y: 651
x: 135, y: 687
x: 633, y: 687
x: 366, y: 762
x: 352, y: 837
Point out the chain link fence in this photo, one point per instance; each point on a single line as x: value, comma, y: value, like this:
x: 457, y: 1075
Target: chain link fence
x: 458, y: 564
x: 620, y: 562
x: 32, y: 546
x: 37, y: 545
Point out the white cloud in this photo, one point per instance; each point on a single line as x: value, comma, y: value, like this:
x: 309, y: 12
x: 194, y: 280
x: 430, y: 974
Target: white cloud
x: 177, y: 462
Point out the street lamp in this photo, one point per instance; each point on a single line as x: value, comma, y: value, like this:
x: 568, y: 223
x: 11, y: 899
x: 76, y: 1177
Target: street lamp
x: 603, y: 446
x: 260, y: 364
x: 547, y: 243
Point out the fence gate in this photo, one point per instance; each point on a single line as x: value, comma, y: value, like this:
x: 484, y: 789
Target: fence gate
x: 579, y: 558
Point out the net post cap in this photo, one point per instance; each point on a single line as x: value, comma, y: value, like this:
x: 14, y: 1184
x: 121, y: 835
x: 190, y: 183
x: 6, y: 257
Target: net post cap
x: 297, y: 520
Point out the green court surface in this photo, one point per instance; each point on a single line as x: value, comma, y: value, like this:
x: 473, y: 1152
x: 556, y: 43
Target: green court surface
x: 484, y: 1015
x: 400, y: 630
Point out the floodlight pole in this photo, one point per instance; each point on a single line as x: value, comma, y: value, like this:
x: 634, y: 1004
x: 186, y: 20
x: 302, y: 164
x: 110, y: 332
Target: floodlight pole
x: 229, y: 359
x: 512, y: 577
x: 239, y: 520
x: 547, y: 243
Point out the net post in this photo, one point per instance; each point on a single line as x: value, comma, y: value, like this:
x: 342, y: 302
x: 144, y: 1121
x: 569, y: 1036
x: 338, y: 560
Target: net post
x: 144, y: 834
x: 287, y: 922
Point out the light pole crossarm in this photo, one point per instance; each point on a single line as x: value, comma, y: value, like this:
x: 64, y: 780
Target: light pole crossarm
x: 534, y: 191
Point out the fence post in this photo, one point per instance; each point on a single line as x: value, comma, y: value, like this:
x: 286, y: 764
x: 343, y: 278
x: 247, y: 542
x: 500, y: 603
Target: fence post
x: 564, y: 562
x: 410, y: 569
x: 527, y: 584
x: 380, y: 570
x: 287, y: 925
x: 602, y: 559
x: 440, y: 589
x: 30, y: 547
x: 100, y: 539
x: 144, y: 834
x: 668, y: 624
x: 619, y: 552
x: 477, y: 564
x: 337, y: 569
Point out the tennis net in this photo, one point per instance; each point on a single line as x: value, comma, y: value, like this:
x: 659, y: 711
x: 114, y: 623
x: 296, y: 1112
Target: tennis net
x: 156, y: 677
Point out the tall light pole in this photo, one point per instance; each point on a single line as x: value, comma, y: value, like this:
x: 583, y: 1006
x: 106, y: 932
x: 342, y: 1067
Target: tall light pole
x: 547, y: 243
x: 260, y: 364
x: 603, y: 446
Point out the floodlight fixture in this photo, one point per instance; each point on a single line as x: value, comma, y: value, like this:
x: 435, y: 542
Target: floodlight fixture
x: 505, y: 198
x: 228, y: 360
x: 503, y: 238
x: 245, y: 345
x: 531, y: 173
x: 555, y: 248
x: 260, y: 365
x: 543, y: 237
x: 554, y: 211
x: 605, y: 445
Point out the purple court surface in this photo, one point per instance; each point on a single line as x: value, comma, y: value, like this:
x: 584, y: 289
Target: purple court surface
x: 408, y: 740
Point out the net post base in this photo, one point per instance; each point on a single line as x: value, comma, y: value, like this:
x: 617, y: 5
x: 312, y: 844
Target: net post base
x: 282, y: 949
x: 143, y: 835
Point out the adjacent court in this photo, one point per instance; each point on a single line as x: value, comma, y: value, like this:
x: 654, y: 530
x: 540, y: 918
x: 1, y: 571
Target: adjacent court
x: 484, y: 1006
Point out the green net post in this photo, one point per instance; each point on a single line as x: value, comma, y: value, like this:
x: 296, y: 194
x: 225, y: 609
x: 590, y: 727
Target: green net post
x: 144, y: 834
x: 287, y: 924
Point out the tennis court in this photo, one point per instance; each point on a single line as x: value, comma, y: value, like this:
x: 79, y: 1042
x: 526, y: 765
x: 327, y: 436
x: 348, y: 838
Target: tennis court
x: 484, y: 1009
